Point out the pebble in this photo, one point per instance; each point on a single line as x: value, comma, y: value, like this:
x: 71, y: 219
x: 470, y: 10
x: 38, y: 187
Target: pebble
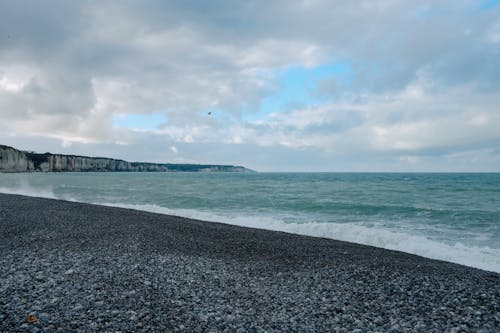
x: 144, y: 272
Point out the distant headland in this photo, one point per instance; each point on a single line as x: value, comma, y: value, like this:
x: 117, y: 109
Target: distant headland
x: 14, y: 160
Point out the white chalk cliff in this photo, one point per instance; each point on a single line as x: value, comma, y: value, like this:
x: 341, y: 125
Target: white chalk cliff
x: 13, y: 160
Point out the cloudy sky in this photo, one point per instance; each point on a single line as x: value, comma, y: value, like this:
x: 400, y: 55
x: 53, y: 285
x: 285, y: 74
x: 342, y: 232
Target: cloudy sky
x: 306, y: 85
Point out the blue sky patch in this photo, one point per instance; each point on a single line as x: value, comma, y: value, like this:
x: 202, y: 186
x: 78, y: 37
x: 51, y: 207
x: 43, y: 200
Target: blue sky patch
x: 139, y: 121
x: 489, y: 4
x: 297, y: 87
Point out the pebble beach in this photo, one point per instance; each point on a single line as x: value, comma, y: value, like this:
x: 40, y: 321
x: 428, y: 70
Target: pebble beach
x: 75, y: 267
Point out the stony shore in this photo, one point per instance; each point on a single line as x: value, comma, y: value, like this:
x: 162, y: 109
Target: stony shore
x: 72, y: 267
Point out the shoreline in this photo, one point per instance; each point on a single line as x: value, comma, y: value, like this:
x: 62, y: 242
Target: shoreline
x: 84, y: 267
x: 483, y: 258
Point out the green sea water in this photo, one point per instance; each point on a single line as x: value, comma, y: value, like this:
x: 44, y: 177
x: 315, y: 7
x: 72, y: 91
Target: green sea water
x: 452, y: 217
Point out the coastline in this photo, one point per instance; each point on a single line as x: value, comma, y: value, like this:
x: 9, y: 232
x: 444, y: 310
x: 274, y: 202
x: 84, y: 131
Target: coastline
x: 84, y: 267
x: 13, y: 160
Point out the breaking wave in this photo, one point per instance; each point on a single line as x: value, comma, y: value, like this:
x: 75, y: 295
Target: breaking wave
x: 25, y: 189
x: 480, y: 257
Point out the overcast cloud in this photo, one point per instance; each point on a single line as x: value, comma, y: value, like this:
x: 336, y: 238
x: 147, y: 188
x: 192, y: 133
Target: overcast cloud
x: 186, y: 81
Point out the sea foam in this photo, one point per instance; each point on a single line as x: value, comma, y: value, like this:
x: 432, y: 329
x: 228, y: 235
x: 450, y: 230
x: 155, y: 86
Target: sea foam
x: 480, y: 257
x: 27, y: 190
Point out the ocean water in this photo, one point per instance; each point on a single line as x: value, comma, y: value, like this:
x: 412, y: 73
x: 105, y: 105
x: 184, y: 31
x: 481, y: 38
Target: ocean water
x: 451, y: 217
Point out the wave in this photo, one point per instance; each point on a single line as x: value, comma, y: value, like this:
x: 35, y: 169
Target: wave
x: 25, y: 189
x: 475, y: 256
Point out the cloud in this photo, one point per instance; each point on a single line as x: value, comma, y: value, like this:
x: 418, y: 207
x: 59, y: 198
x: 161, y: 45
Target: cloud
x: 422, y: 78
x: 494, y: 33
x: 417, y: 119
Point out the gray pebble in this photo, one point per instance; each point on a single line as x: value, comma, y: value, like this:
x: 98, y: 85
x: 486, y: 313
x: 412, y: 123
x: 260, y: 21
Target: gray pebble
x: 117, y: 270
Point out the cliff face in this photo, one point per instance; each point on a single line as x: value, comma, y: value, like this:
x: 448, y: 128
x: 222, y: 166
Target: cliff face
x: 13, y: 160
x: 61, y: 163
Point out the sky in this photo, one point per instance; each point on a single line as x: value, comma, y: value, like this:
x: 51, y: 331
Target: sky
x: 274, y: 85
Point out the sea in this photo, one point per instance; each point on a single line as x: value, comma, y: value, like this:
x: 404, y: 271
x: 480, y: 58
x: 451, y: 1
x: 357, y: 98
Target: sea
x: 447, y: 216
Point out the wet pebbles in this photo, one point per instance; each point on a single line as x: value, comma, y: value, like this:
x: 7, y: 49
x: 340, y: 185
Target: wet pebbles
x: 71, y: 267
